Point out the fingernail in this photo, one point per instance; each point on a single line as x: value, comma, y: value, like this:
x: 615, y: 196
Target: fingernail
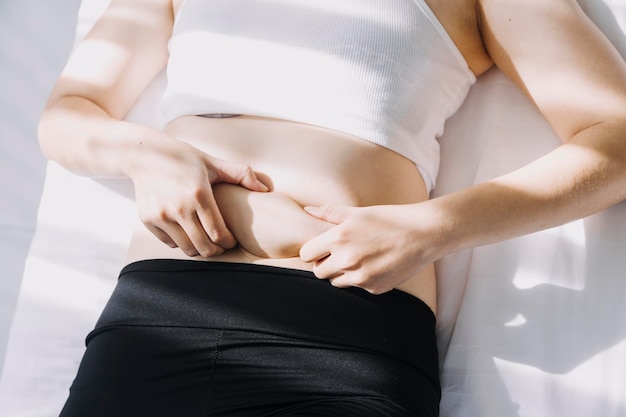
x: 263, y: 186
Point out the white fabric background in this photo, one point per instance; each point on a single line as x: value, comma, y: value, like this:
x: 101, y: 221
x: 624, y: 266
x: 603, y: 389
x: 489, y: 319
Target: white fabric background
x: 35, y: 38
x: 530, y: 327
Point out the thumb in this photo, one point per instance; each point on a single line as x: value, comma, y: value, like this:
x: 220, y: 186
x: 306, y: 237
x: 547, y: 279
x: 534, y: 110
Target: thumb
x: 236, y: 173
x: 330, y: 213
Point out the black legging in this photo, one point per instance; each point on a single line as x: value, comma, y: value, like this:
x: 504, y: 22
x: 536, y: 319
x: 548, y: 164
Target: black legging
x: 199, y: 339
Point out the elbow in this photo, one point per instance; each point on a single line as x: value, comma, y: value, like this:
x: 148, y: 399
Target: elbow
x: 45, y: 136
x: 613, y: 148
x: 61, y: 127
x: 47, y: 128
x: 602, y: 150
x: 617, y: 126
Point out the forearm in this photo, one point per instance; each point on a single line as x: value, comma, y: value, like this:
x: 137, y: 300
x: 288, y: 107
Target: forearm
x: 83, y: 138
x: 579, y: 178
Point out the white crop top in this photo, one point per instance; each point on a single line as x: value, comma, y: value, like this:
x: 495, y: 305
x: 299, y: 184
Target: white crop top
x: 382, y: 70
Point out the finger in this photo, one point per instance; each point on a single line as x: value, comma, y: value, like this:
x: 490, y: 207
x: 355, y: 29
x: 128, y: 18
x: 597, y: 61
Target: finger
x: 176, y: 235
x: 200, y: 240
x: 340, y: 281
x: 211, y: 222
x: 317, y: 248
x: 330, y: 212
x: 161, y: 235
x: 326, y: 268
x: 235, y: 173
x: 347, y: 279
x: 335, y: 265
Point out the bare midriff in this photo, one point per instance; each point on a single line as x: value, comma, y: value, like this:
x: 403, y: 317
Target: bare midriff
x: 303, y: 165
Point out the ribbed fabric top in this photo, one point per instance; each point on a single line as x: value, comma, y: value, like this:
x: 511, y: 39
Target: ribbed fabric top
x: 382, y: 70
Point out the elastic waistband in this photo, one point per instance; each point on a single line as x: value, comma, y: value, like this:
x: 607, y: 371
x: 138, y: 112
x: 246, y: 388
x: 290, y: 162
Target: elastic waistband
x: 271, y: 300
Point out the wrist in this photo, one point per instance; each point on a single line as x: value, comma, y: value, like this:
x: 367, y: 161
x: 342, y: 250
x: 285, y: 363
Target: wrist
x: 437, y: 229
x: 144, y: 148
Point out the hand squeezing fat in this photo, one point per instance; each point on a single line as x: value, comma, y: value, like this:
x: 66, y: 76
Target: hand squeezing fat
x: 267, y: 225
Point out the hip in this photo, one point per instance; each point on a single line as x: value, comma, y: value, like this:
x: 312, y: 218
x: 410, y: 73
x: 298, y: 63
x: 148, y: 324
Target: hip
x: 303, y: 341
x: 268, y: 299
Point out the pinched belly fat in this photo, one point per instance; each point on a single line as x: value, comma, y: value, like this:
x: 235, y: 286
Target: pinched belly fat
x: 267, y: 225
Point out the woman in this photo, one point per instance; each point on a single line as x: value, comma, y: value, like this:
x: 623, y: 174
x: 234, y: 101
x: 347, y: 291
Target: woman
x: 333, y: 105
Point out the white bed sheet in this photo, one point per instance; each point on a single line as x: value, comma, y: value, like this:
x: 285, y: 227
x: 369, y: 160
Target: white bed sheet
x: 34, y: 41
x: 531, y: 327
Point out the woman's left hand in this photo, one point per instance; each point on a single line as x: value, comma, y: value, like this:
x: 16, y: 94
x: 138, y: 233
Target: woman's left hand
x: 375, y: 248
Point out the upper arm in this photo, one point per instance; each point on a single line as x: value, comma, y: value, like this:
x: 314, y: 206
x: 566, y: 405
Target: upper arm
x: 120, y: 56
x: 559, y: 58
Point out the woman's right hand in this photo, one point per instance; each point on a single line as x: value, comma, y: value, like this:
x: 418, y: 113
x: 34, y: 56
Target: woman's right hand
x: 173, y: 190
